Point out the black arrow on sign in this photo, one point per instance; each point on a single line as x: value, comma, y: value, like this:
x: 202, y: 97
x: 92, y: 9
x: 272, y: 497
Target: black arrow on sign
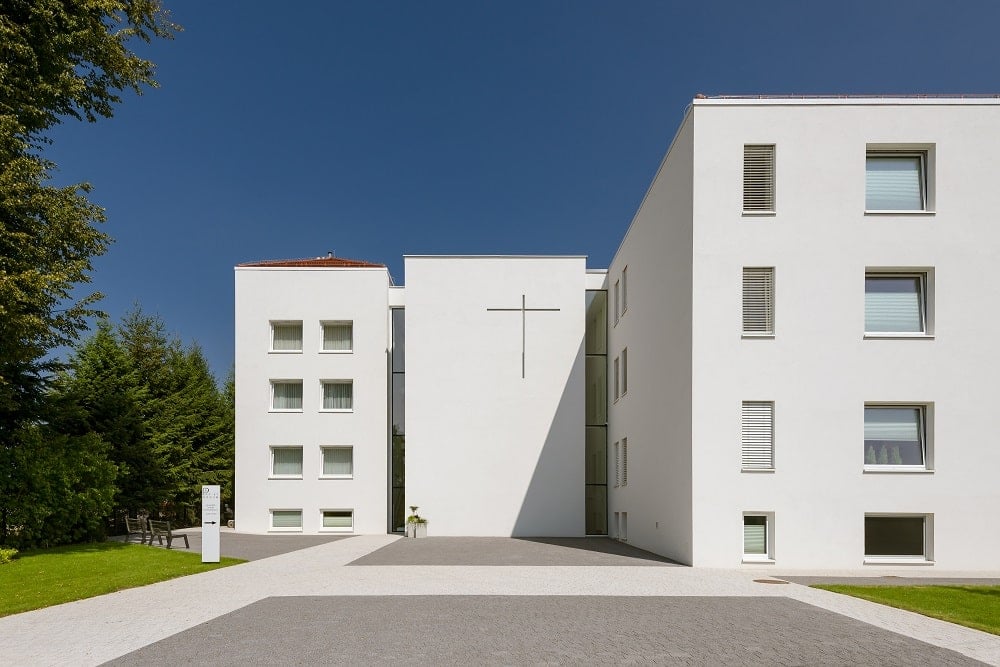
x: 211, y: 523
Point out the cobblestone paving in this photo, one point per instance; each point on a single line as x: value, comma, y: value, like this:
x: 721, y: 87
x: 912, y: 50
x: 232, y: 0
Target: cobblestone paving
x: 497, y: 551
x: 893, y: 581
x: 463, y: 630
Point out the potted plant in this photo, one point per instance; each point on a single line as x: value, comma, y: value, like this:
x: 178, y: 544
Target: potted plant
x: 416, y: 525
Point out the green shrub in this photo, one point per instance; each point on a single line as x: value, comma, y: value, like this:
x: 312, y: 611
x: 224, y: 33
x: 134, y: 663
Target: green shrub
x: 7, y: 555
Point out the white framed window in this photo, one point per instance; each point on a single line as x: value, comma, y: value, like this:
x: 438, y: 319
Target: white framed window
x: 338, y: 395
x: 286, y: 520
x: 286, y: 336
x: 624, y: 289
x: 337, y: 462
x: 897, y: 303
x: 617, y: 377
x: 757, y: 435
x: 758, y: 301
x: 758, y: 537
x: 286, y: 462
x: 897, y: 180
x: 337, y: 336
x: 618, y: 467
x: 624, y: 371
x: 286, y: 395
x: 624, y: 461
x: 898, y: 538
x: 758, y: 179
x: 618, y: 301
x: 896, y: 438
x: 337, y: 521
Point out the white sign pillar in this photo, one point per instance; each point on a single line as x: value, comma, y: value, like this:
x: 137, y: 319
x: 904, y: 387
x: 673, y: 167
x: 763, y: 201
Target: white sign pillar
x: 211, y: 501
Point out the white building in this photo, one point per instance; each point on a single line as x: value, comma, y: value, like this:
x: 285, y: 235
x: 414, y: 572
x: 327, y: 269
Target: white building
x: 789, y: 360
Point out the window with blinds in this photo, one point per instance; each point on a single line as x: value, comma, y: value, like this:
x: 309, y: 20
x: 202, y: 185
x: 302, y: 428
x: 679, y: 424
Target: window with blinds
x: 755, y: 536
x: 757, y: 435
x: 338, y: 520
x: 758, y: 178
x: 758, y: 301
x: 286, y: 462
x: 895, y: 181
x: 286, y: 519
x: 338, y: 395
x: 895, y: 435
x: 286, y: 395
x: 338, y: 462
x: 624, y: 461
x: 286, y: 336
x: 895, y: 303
x: 338, y: 336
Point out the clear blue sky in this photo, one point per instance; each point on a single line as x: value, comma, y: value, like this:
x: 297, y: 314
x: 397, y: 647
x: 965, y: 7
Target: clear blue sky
x: 375, y: 129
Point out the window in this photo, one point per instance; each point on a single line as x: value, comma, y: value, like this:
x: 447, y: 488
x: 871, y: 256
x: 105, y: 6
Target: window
x: 758, y: 178
x: 895, y: 436
x: 338, y: 337
x: 338, y: 462
x: 617, y: 378
x: 286, y: 336
x: 286, y: 395
x: 618, y: 467
x: 338, y: 521
x: 338, y: 395
x: 896, y: 180
x: 624, y: 461
x: 286, y: 520
x: 617, y: 299
x: 897, y: 537
x: 896, y: 303
x: 286, y: 462
x: 624, y: 371
x: 756, y: 537
x: 624, y: 289
x: 758, y: 301
x: 757, y: 435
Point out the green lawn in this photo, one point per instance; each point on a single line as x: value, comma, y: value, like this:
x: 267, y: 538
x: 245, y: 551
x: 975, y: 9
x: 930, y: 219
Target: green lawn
x: 973, y: 606
x: 53, y: 576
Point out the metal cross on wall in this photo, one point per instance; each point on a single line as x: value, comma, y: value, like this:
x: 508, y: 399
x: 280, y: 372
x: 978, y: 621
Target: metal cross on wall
x: 524, y: 310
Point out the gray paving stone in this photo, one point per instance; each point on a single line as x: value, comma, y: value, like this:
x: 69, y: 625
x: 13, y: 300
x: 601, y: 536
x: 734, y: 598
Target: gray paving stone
x: 893, y: 581
x: 248, y: 546
x: 500, y: 551
x: 462, y: 630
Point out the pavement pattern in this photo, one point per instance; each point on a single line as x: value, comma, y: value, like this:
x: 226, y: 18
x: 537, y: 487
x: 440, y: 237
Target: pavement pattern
x: 463, y: 608
x: 253, y: 547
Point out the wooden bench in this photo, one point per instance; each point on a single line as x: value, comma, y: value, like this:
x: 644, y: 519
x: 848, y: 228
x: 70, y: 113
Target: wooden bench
x: 135, y: 526
x: 161, y: 529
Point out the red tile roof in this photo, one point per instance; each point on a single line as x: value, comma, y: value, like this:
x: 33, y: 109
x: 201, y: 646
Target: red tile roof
x: 316, y: 262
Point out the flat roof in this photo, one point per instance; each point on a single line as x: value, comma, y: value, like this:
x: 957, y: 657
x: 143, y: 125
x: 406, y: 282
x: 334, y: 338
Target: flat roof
x: 850, y: 99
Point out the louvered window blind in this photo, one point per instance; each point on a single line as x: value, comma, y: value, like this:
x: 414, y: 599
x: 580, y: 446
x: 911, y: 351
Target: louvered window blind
x: 287, y: 396
x: 624, y: 461
x: 338, y: 337
x: 894, y: 435
x: 757, y: 432
x: 758, y: 301
x: 894, y: 303
x: 286, y: 519
x: 338, y: 396
x: 894, y: 182
x: 338, y: 461
x: 758, y: 178
x: 755, y: 535
x: 338, y: 519
x: 287, y: 461
x: 287, y: 337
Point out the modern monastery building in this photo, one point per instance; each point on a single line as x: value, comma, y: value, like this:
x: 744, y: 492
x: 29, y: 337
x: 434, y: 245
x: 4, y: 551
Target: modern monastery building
x: 790, y: 360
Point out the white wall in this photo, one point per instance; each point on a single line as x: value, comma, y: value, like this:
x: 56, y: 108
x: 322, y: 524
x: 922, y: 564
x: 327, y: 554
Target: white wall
x: 819, y: 370
x: 487, y: 451
x: 312, y: 296
x: 655, y: 413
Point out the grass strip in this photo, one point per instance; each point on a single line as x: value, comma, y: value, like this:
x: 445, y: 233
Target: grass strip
x: 48, y: 577
x: 972, y: 606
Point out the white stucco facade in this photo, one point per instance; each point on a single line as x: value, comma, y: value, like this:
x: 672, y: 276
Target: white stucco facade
x: 489, y: 452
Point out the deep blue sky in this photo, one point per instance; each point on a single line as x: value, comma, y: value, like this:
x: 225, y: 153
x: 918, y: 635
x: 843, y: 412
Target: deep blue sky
x: 375, y: 129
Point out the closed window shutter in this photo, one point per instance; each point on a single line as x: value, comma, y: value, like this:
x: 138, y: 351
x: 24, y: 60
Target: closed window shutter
x: 758, y: 435
x: 338, y: 519
x: 758, y: 301
x: 755, y: 535
x: 286, y: 519
x: 338, y: 461
x: 758, y: 178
